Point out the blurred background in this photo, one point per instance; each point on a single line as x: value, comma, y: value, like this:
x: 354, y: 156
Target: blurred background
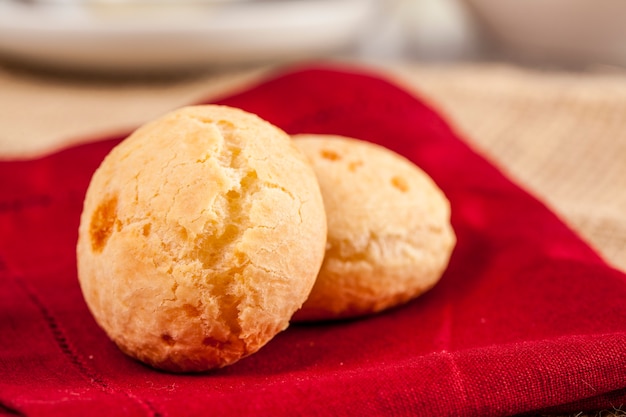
x: 168, y: 36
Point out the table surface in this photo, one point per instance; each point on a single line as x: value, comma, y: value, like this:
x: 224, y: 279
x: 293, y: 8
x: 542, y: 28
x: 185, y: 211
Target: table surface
x: 560, y: 135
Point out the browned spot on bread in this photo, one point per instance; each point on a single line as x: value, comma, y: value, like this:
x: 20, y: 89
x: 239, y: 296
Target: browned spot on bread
x: 168, y: 339
x: 329, y: 154
x: 400, y: 183
x: 102, y: 222
x: 352, y: 166
x: 146, y: 229
x: 226, y: 126
x: 210, y: 341
x: 435, y: 228
x: 190, y: 310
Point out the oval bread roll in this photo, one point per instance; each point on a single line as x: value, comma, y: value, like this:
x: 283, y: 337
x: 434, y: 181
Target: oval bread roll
x: 389, y: 232
x: 201, y: 234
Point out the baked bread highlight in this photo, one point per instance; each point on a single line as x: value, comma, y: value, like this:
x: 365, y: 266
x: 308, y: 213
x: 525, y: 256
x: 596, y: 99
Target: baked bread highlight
x: 389, y: 232
x: 201, y: 234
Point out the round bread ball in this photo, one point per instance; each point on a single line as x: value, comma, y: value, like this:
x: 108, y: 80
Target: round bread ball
x: 389, y: 232
x: 201, y: 234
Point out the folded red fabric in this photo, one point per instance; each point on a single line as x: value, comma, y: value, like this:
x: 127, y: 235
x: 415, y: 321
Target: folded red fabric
x: 526, y: 319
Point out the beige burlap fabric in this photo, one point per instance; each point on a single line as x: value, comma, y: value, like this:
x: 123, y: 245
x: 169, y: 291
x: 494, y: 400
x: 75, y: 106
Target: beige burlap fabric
x: 562, y: 136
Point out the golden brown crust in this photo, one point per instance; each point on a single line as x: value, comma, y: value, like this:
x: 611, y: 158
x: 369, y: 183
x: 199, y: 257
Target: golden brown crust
x: 389, y: 232
x: 201, y: 234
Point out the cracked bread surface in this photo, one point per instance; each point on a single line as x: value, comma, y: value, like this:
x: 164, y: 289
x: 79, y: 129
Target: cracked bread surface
x: 201, y: 234
x: 389, y: 231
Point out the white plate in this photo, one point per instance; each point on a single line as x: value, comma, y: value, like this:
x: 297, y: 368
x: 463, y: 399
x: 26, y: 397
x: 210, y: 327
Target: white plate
x: 580, y: 32
x: 165, y: 36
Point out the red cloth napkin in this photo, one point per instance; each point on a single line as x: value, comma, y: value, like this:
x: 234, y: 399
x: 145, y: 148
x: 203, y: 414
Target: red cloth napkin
x: 526, y: 319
